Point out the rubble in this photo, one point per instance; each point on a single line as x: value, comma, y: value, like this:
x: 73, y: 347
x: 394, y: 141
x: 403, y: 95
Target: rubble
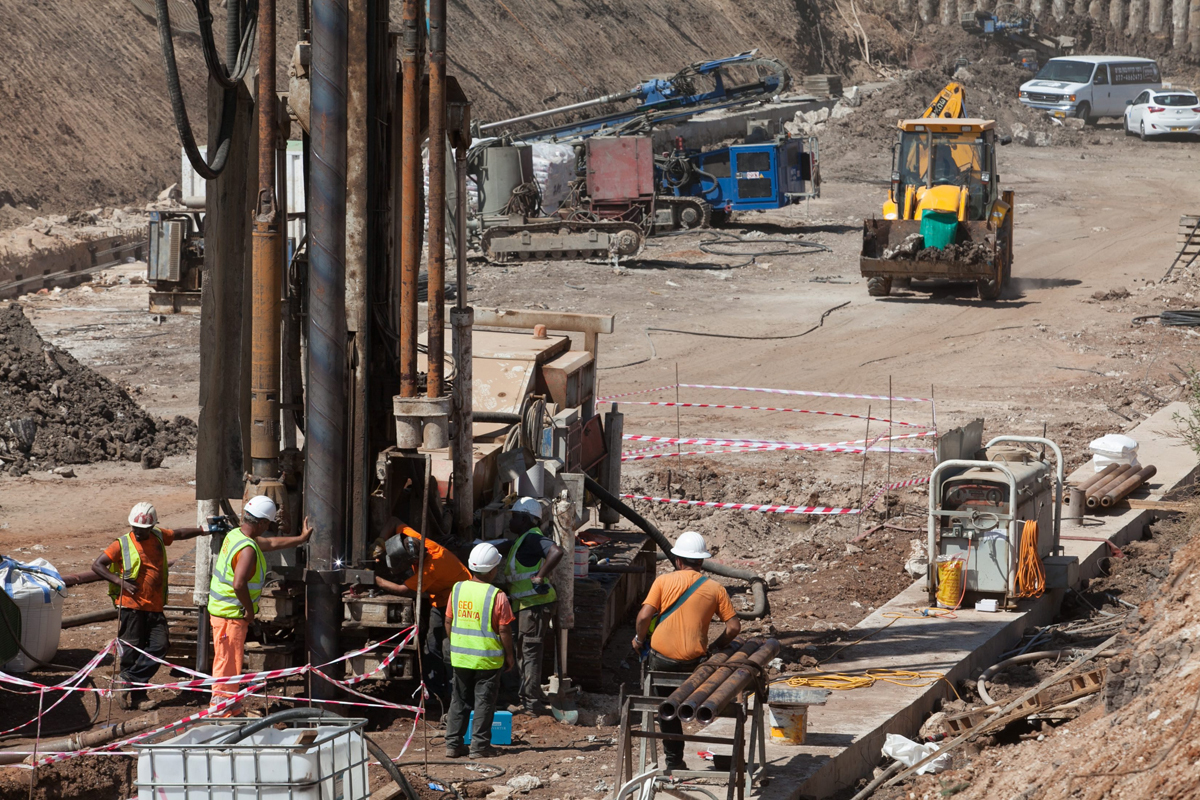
x: 58, y: 412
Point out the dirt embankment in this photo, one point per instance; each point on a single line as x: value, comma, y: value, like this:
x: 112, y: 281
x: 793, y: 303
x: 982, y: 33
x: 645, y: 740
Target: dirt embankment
x: 57, y: 411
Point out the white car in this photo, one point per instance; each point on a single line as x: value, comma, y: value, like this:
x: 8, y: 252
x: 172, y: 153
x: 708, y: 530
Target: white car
x: 1154, y: 113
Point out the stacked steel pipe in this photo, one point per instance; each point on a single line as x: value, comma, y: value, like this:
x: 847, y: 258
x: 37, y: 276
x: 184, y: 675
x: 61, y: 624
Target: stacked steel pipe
x: 1114, y: 483
x: 718, y: 681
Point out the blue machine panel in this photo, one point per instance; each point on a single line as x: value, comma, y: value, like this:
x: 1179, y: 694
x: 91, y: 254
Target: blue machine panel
x: 761, y: 176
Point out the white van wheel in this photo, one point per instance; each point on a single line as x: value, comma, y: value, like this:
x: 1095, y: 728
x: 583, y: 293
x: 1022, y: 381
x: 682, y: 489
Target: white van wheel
x: 1084, y: 112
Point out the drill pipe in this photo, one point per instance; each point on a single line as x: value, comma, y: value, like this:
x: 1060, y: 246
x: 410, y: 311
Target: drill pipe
x: 668, y: 707
x: 686, y: 711
x: 1127, y: 486
x: 739, y: 680
x: 1099, y: 477
x: 437, y: 197
x: 410, y: 176
x: 1098, y: 490
x: 267, y: 272
x: 84, y: 740
x: 325, y: 400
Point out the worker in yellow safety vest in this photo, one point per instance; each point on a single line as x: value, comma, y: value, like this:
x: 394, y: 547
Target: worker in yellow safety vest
x: 237, y: 580
x: 135, y: 566
x: 528, y: 562
x: 481, y: 646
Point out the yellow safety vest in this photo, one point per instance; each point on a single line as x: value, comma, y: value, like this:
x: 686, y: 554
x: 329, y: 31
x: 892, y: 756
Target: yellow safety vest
x: 474, y: 644
x: 519, y: 578
x: 222, y: 602
x: 132, y: 564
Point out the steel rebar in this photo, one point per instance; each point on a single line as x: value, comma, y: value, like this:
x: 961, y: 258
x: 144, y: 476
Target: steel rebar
x: 686, y: 711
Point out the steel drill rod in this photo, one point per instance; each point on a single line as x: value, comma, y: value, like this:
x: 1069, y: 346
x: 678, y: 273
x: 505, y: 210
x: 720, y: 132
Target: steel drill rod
x: 1128, y: 486
x: 739, y: 680
x: 686, y: 711
x: 1099, y: 490
x: 82, y: 741
x: 549, y: 112
x: 410, y: 188
x: 460, y: 232
x: 437, y: 198
x: 1099, y: 477
x: 668, y: 707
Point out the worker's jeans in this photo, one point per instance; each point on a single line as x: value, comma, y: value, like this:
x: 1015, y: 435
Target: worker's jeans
x: 146, y: 630
x: 473, y: 689
x: 660, y: 663
x: 533, y: 624
x: 229, y: 649
x: 437, y: 654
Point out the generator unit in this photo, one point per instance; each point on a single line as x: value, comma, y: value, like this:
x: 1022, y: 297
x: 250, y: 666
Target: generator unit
x: 176, y: 261
x: 759, y: 176
x: 977, y: 514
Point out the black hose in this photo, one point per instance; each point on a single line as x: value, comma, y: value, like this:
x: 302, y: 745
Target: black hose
x: 758, y: 586
x: 505, y: 417
x: 1183, y: 317
x: 250, y: 728
x: 220, y: 154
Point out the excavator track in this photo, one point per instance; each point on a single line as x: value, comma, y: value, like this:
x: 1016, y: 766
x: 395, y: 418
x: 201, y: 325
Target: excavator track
x: 690, y: 212
x: 563, y: 240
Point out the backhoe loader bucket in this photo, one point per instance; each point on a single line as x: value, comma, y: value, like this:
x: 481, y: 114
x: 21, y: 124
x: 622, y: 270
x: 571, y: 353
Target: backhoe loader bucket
x: 895, y: 250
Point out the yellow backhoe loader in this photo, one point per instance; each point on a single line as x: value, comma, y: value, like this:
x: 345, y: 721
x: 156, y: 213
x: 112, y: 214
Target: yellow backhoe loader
x: 946, y: 217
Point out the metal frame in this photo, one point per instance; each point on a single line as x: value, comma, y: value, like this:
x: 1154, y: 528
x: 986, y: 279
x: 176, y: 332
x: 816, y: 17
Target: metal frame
x: 935, y: 501
x: 213, y: 750
x: 740, y: 772
x: 1058, y: 473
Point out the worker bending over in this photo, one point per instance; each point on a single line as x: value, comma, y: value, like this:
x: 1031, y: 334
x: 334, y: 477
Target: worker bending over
x: 678, y: 611
x: 481, y: 646
x: 397, y: 554
x: 528, y: 562
x: 135, y: 567
x: 237, y: 580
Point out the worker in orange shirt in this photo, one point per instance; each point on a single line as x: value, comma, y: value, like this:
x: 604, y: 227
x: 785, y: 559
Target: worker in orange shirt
x: 397, y: 552
x: 135, y: 567
x: 677, y: 611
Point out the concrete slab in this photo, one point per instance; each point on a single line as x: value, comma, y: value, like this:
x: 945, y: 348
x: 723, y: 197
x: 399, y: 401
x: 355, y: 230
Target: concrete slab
x: 846, y: 734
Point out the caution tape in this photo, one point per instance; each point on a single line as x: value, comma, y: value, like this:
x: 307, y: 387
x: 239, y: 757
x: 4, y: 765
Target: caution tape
x: 771, y: 408
x: 885, y: 489
x: 806, y: 393
x: 631, y: 394
x: 771, y: 509
x: 833, y: 447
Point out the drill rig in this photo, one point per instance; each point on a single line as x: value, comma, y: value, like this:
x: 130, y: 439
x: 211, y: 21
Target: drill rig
x: 625, y: 191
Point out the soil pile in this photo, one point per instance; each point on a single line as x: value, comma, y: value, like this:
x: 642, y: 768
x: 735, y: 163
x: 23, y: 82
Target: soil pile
x: 57, y: 411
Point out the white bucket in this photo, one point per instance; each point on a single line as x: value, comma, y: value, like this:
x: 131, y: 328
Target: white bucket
x: 789, y: 722
x: 581, y: 560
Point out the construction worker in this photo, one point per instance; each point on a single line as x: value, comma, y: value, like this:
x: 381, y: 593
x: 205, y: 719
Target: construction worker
x: 237, y: 580
x: 678, y: 611
x: 397, y: 552
x: 528, y: 562
x: 481, y: 645
x: 135, y: 567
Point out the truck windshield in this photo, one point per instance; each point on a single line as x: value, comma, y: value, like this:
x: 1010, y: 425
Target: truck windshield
x: 1065, y: 71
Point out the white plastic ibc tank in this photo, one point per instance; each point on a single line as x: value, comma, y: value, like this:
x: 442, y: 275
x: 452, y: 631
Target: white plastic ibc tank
x: 38, y: 591
x: 292, y: 764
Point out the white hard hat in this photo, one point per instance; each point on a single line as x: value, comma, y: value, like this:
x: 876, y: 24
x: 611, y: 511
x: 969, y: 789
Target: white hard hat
x: 530, y: 506
x: 690, y: 545
x: 484, y: 557
x: 261, y: 507
x: 143, y: 515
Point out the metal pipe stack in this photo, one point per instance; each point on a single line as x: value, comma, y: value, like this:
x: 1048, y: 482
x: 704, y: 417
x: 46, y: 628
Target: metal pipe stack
x: 718, y: 681
x: 1114, y: 483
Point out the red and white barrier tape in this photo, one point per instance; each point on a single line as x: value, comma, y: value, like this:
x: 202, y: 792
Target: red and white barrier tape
x: 829, y: 447
x: 805, y: 393
x: 774, y: 509
x: 771, y: 408
x: 884, y: 489
x: 631, y: 394
x: 644, y: 450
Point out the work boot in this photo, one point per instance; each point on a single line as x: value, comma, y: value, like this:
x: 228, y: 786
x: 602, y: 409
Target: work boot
x: 456, y: 751
x: 125, y: 700
x: 673, y: 764
x: 485, y: 752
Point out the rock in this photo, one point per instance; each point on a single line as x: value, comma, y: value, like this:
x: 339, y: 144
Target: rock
x: 803, y: 568
x: 170, y: 193
x: 776, y: 578
x: 917, y: 564
x: 152, y: 459
x: 65, y: 472
x: 499, y: 792
x: 1021, y: 133
x: 891, y: 113
x: 963, y: 75
x: 814, y: 117
x: 118, y: 215
x: 851, y: 549
x: 602, y: 786
x: 1075, y: 123
x: 606, y: 720
x: 555, y: 778
x: 525, y: 783
x: 841, y: 111
x: 852, y: 97
x: 1041, y: 139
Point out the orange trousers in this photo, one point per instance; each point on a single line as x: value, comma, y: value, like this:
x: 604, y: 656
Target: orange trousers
x: 229, y: 648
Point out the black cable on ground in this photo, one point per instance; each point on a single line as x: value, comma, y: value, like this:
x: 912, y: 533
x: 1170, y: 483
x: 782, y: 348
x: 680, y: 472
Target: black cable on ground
x: 654, y: 352
x: 1179, y: 318
x: 725, y: 239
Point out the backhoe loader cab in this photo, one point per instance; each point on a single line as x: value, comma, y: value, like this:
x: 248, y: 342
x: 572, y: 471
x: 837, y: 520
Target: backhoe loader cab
x: 945, y: 216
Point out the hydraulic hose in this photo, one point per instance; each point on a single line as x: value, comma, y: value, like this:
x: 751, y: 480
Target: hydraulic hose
x: 242, y: 731
x: 1024, y: 658
x: 505, y: 417
x: 758, y: 586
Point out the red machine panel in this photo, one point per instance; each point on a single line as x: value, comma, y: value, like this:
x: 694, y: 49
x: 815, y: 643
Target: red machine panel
x: 620, y: 169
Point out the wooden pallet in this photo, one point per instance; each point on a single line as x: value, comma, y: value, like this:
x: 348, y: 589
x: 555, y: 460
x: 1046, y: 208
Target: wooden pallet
x: 1081, y: 686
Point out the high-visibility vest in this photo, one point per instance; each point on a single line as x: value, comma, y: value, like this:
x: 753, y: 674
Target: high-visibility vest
x: 474, y: 644
x: 131, y: 564
x: 519, y: 578
x: 222, y: 602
